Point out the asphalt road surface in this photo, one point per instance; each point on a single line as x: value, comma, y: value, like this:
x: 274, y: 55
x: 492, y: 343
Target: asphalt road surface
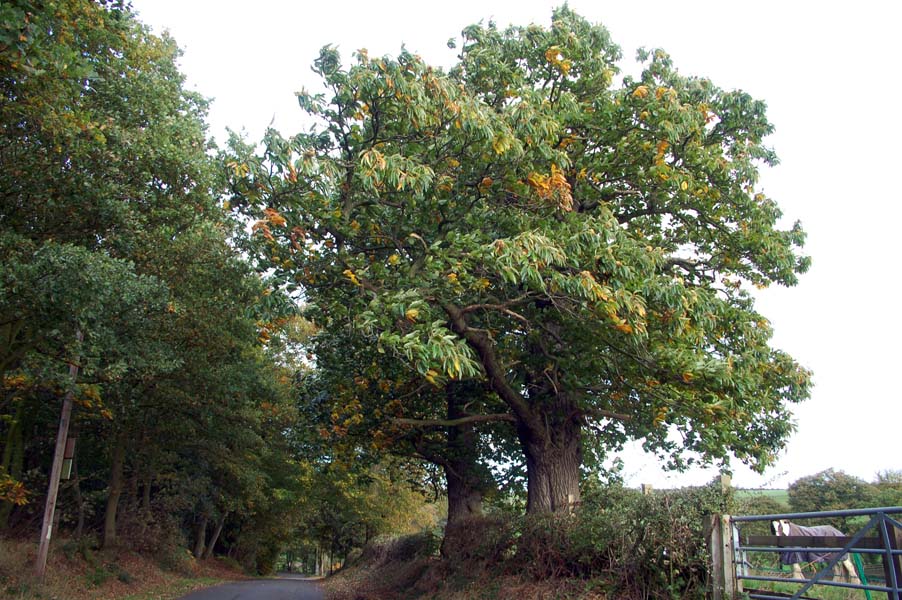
x: 286, y: 587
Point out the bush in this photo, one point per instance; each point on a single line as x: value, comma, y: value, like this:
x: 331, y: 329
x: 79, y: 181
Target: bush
x: 84, y: 547
x: 177, y: 560
x: 396, y: 549
x: 649, y: 546
x: 417, y: 545
x: 489, y: 539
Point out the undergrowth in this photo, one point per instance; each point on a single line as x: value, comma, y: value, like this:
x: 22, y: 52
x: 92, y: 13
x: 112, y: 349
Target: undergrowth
x: 618, y: 544
x: 78, y: 570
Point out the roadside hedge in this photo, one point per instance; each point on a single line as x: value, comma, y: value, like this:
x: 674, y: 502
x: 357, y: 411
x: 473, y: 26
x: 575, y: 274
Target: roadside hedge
x: 635, y: 545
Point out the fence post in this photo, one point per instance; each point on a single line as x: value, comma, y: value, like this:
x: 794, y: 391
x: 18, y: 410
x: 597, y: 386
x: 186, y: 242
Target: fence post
x: 892, y: 569
x: 715, y: 569
x: 719, y: 537
x: 729, y: 564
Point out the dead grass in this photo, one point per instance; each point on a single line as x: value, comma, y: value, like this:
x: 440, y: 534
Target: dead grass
x: 106, y: 576
x: 383, y: 578
x: 390, y: 583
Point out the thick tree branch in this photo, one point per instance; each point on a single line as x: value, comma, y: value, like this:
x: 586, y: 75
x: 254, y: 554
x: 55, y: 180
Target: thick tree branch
x: 480, y: 342
x: 605, y: 414
x: 503, y: 308
x: 456, y: 422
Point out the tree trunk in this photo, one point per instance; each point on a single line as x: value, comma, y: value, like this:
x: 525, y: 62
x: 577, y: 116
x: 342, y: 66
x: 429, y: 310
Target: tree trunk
x: 553, y: 459
x: 13, y: 458
x: 115, y: 492
x: 466, y: 478
x: 548, y: 424
x: 201, y: 538
x: 79, y: 501
x: 215, y: 537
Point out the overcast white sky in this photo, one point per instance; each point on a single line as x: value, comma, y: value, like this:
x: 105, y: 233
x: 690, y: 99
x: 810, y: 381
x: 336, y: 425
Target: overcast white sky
x: 829, y: 73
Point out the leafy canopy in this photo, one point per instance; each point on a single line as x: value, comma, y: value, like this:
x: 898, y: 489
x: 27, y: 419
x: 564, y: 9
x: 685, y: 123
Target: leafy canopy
x: 584, y: 246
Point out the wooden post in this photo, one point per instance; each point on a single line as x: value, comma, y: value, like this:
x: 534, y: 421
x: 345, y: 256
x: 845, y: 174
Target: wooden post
x: 729, y: 564
x: 719, y: 537
x: 53, y: 487
x: 726, y: 482
x: 715, y: 568
x: 893, y: 567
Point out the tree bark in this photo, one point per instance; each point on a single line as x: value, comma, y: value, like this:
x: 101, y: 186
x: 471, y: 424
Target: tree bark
x: 466, y: 481
x: 553, y: 459
x: 117, y: 466
x: 201, y: 538
x: 548, y: 425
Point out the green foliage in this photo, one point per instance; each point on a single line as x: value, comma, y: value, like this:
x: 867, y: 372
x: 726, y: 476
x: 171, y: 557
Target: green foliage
x: 583, y: 247
x: 887, y: 490
x: 176, y: 560
x: 110, y: 226
x: 829, y: 490
x: 633, y: 545
x: 344, y: 508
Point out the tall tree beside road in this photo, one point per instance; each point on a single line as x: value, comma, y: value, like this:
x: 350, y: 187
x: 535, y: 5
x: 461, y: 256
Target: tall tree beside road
x: 111, y: 224
x: 583, y: 247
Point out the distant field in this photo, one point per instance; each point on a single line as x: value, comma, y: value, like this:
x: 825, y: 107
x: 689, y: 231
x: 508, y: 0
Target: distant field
x: 781, y: 496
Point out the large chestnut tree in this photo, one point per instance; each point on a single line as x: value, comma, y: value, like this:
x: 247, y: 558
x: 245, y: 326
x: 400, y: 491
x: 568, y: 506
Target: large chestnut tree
x: 581, y: 242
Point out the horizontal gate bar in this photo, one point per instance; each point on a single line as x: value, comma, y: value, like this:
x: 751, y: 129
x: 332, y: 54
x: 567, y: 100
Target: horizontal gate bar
x: 820, y: 515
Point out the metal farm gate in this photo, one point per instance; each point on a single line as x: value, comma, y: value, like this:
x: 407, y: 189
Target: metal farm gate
x: 747, y: 563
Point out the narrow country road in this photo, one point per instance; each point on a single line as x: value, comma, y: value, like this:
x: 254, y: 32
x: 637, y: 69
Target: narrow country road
x: 285, y: 587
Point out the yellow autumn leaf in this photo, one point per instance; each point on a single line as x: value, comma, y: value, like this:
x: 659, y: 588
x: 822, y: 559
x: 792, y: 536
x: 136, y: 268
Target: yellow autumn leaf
x: 660, y: 415
x: 624, y: 328
x: 640, y: 92
x: 412, y: 314
x: 273, y: 216
x: 351, y: 276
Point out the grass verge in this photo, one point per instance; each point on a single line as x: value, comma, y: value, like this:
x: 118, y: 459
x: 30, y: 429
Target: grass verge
x: 77, y: 572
